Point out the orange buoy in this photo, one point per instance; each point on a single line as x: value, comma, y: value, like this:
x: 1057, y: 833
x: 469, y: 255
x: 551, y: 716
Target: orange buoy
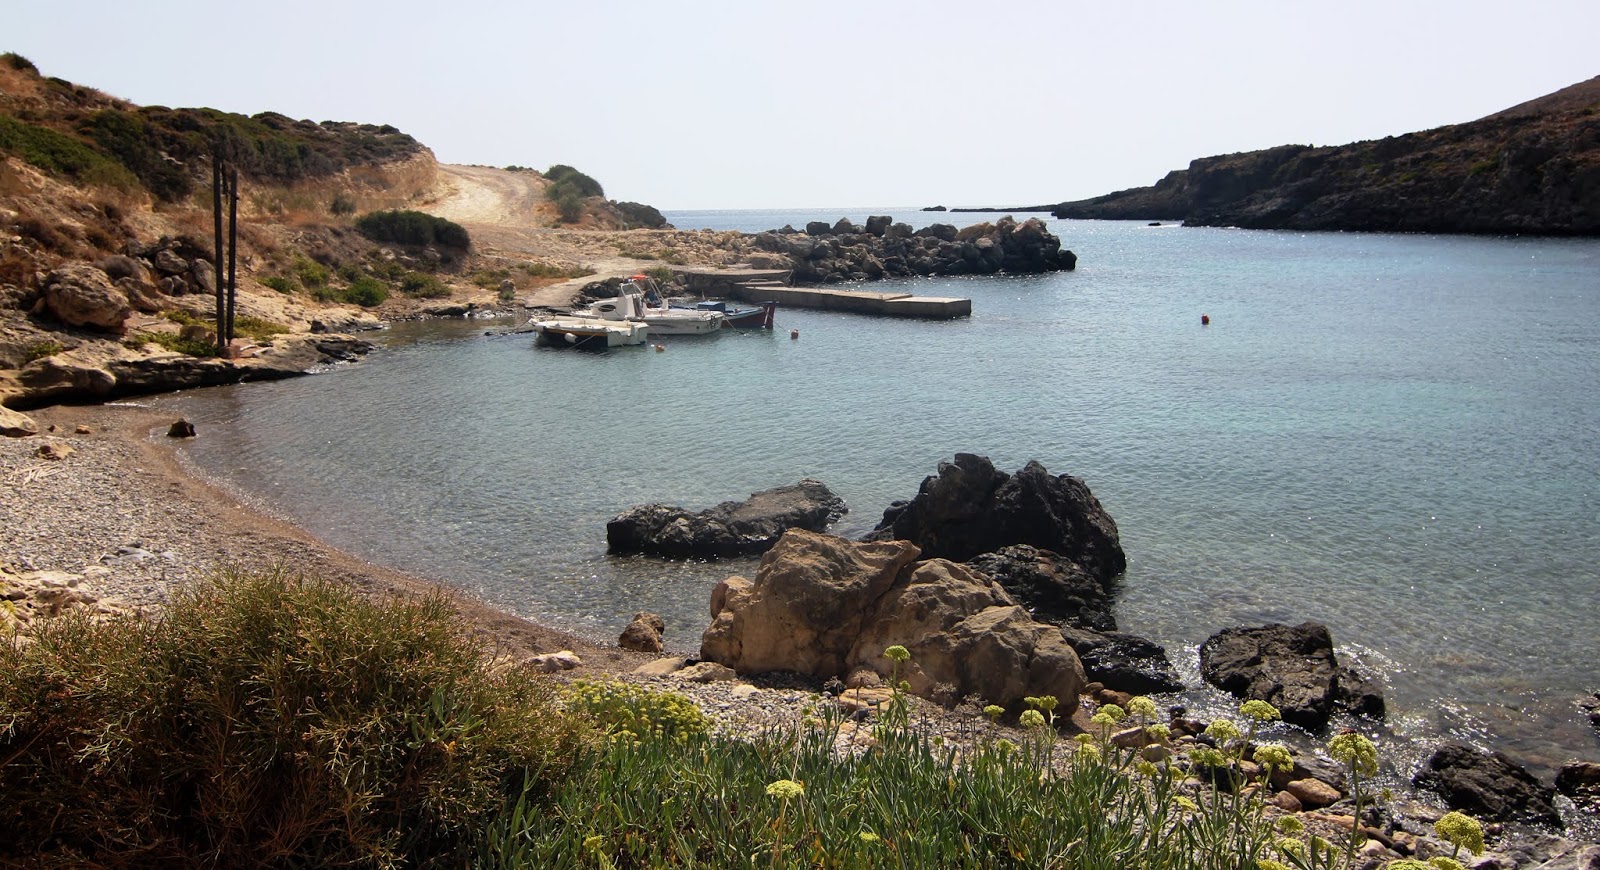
x: 1205, y: 320
x: 659, y: 347
x: 794, y: 334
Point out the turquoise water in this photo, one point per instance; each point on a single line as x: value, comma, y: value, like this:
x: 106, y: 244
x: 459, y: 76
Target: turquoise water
x: 1395, y: 435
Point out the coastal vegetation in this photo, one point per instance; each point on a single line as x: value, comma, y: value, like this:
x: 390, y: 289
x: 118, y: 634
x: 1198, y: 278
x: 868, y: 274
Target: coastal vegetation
x: 407, y: 227
x: 272, y: 718
x: 568, y: 189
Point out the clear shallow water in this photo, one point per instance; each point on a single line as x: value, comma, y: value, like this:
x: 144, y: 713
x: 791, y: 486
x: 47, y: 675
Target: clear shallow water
x: 1395, y: 435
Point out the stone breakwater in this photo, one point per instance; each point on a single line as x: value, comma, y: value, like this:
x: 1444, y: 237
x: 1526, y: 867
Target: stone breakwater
x: 844, y: 251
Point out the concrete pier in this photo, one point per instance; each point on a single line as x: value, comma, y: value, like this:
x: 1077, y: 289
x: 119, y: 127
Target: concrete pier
x: 768, y: 285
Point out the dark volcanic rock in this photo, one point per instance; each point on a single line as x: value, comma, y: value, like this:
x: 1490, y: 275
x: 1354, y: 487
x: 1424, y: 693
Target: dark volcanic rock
x: 1124, y: 662
x: 970, y: 508
x: 1487, y: 785
x: 1291, y: 667
x: 1580, y: 780
x: 1054, y: 588
x: 732, y: 528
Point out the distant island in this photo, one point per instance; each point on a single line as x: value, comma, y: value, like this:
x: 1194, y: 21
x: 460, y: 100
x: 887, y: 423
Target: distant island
x: 1530, y: 169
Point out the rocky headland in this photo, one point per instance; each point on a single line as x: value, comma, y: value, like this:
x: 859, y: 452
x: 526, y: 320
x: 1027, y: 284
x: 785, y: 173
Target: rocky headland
x: 1530, y: 169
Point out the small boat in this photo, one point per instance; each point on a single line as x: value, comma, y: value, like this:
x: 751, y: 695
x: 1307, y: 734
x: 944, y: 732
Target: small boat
x: 738, y: 316
x: 639, y: 300
x: 588, y: 333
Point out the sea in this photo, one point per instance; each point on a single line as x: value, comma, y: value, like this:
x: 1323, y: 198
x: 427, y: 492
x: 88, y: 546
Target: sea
x: 1395, y: 435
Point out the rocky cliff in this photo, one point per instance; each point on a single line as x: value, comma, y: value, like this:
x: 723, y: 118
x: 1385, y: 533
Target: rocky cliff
x: 1533, y: 168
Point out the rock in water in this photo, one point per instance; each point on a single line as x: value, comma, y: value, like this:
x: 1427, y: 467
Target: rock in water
x: 1488, y: 785
x: 643, y: 634
x: 729, y: 529
x: 1055, y: 589
x: 180, y: 428
x: 970, y: 508
x: 824, y: 606
x: 1291, y: 667
x: 1123, y: 662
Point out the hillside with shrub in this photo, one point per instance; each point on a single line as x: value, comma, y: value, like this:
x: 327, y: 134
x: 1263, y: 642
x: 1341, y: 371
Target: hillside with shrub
x: 1533, y: 169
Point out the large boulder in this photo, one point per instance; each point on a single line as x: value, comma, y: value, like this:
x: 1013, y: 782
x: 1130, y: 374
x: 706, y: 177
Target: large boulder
x: 1053, y: 588
x: 1580, y: 780
x: 15, y: 424
x: 826, y: 607
x: 733, y: 528
x: 79, y: 294
x: 1123, y: 662
x: 969, y: 508
x: 1291, y: 667
x: 1488, y: 785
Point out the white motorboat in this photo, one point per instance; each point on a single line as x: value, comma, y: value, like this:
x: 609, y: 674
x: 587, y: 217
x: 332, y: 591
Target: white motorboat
x: 639, y: 300
x: 587, y: 333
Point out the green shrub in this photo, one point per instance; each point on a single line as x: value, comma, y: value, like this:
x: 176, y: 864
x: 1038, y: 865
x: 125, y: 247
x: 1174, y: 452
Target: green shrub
x: 342, y: 204
x: 267, y: 720
x: 633, y: 711
x: 41, y: 349
x: 568, y: 204
x: 60, y: 154
x: 366, y: 292
x: 489, y: 279
x: 310, y: 273
x: 563, y: 176
x: 18, y: 62
x: 351, y: 272
x: 129, y: 138
x: 423, y: 285
x: 280, y: 283
x: 257, y: 328
x: 636, y: 214
x: 175, y: 343
x: 550, y: 270
x: 413, y: 228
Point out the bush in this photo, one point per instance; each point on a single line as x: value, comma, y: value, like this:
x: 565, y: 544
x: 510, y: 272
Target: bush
x: 175, y: 343
x: 257, y: 328
x: 423, y: 285
x: 366, y: 292
x: 636, y: 214
x: 60, y: 154
x: 632, y: 711
x: 280, y: 283
x: 310, y: 273
x: 18, y: 62
x: 563, y: 176
x: 413, y: 228
x: 267, y: 720
x: 342, y: 204
x: 42, y: 349
x: 129, y: 138
x: 569, y: 205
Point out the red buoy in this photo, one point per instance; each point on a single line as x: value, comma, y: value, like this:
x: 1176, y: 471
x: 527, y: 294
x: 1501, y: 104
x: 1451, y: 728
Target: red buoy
x: 1205, y: 320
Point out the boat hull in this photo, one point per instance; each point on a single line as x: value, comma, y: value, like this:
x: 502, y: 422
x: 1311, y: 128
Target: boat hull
x: 588, y: 334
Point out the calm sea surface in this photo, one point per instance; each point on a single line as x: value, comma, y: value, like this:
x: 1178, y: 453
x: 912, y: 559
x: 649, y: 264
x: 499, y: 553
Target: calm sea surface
x: 1396, y: 435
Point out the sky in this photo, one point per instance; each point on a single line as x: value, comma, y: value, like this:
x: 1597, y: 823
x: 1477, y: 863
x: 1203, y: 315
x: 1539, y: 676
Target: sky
x: 730, y: 105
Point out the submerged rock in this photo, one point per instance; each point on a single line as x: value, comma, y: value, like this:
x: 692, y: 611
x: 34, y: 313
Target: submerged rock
x: 733, y: 528
x: 1488, y: 785
x: 1291, y: 667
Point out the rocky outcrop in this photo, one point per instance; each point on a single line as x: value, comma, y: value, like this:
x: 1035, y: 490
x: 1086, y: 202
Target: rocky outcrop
x: 16, y: 425
x: 825, y: 607
x: 1580, y: 781
x: 1488, y: 785
x: 733, y: 528
x: 1123, y: 662
x: 826, y: 254
x: 1291, y: 667
x: 643, y: 634
x: 969, y: 508
x: 99, y: 373
x: 1055, y: 589
x: 28, y: 597
x: 82, y: 295
x: 1534, y: 168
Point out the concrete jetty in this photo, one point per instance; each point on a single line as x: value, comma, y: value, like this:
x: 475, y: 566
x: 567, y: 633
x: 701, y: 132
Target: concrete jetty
x: 768, y: 285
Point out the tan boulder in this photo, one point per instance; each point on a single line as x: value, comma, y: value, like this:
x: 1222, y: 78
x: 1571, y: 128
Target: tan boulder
x: 1313, y: 792
x: 82, y: 295
x: 14, y: 424
x: 643, y: 634
x: 825, y: 606
x: 55, y: 451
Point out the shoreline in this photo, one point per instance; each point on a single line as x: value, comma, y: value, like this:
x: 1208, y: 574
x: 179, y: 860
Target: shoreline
x: 124, y: 501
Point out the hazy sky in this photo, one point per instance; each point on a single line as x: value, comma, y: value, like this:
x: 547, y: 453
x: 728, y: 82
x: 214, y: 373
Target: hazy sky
x: 752, y: 105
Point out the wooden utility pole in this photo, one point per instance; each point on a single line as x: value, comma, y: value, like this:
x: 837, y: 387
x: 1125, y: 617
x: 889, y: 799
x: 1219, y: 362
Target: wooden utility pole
x: 224, y: 183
